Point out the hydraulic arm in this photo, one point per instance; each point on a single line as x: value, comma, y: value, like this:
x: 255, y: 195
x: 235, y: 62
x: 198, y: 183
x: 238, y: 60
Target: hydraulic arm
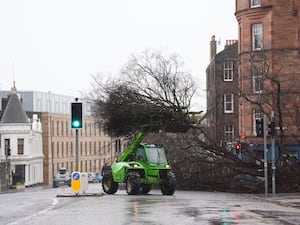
x: 132, y: 147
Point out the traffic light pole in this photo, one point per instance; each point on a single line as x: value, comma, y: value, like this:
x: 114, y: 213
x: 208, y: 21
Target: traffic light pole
x: 77, y: 152
x: 273, y: 156
x: 265, y: 155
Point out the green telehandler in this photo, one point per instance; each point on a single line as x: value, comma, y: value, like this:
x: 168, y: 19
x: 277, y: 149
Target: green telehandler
x: 140, y: 167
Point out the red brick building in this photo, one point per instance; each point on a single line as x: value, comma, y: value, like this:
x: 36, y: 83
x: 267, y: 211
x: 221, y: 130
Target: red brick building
x: 269, y: 66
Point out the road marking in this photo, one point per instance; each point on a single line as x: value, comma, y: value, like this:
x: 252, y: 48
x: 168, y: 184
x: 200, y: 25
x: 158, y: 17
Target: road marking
x: 22, y: 220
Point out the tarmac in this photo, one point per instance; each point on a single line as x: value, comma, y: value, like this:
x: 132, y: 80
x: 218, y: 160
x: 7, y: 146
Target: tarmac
x: 282, y: 199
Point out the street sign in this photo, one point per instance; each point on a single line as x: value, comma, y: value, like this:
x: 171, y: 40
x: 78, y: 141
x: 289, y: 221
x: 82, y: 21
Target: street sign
x: 76, y: 178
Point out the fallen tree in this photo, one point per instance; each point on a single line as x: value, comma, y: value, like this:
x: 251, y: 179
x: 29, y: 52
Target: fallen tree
x: 153, y: 94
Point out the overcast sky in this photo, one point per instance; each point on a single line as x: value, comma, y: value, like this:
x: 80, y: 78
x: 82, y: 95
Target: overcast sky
x: 55, y: 45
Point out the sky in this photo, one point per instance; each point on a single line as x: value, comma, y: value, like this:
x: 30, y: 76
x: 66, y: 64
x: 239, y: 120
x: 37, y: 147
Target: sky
x: 57, y: 45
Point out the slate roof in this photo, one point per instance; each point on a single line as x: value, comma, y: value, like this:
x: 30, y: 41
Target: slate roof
x: 14, y: 112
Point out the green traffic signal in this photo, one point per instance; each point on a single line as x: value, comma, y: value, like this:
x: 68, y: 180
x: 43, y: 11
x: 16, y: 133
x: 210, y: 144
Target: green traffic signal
x: 76, y: 115
x: 76, y: 124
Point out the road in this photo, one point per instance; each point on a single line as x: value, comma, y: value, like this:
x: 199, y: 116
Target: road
x: 43, y: 207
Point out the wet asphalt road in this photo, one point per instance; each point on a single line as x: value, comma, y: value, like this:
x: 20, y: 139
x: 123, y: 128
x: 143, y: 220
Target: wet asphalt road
x: 42, y: 207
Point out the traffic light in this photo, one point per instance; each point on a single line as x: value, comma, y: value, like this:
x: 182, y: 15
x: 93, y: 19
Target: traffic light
x: 76, y: 115
x: 237, y: 147
x: 260, y: 128
x: 271, y: 128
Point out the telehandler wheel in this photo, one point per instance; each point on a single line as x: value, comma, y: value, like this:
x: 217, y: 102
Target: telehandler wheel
x: 133, y: 183
x: 108, y: 184
x: 145, y: 188
x: 168, y: 185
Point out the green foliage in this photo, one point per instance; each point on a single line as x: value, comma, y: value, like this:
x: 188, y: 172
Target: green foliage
x: 126, y: 111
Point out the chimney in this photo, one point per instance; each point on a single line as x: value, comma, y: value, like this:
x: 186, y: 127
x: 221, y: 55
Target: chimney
x: 229, y: 42
x: 213, y: 47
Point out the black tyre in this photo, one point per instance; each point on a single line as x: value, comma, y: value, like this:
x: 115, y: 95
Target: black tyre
x: 54, y: 184
x: 145, y: 188
x: 169, y: 184
x: 108, y: 184
x: 133, y: 183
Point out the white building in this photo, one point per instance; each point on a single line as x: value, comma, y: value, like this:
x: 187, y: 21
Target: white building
x: 21, y: 143
x: 37, y: 101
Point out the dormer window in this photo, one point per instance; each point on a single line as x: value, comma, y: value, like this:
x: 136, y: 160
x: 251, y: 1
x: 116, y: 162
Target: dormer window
x: 255, y: 3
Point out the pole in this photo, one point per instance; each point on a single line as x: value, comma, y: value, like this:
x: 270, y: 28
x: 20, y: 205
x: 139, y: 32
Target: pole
x: 51, y: 134
x: 273, y: 157
x: 76, y: 146
x: 77, y: 157
x: 273, y: 166
x: 265, y: 155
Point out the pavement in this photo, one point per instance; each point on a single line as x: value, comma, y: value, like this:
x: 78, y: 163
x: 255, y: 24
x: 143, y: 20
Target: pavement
x: 283, y: 199
x: 25, y: 189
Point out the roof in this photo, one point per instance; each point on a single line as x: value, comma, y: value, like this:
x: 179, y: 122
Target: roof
x: 14, y: 112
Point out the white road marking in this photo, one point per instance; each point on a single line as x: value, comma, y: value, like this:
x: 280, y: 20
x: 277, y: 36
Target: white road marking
x: 20, y: 221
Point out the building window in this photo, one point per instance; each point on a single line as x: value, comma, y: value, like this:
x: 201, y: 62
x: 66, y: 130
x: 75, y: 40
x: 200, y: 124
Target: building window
x: 72, y: 152
x: 229, y: 133
x: 257, y: 36
x: 57, y: 149
x: 85, y: 148
x: 20, y: 146
x: 228, y: 103
x: 100, y: 128
x: 62, y: 128
x: 228, y: 71
x: 255, y: 3
x: 67, y: 149
x: 67, y: 129
x: 118, y: 145
x: 257, y: 75
x: 257, y: 115
x: 57, y: 128
x: 90, y: 147
x: 62, y: 149
x: 7, y: 146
